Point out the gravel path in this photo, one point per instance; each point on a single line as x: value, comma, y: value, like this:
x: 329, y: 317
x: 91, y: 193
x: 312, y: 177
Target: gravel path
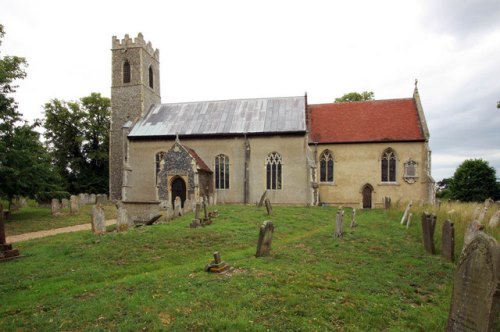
x: 49, y: 232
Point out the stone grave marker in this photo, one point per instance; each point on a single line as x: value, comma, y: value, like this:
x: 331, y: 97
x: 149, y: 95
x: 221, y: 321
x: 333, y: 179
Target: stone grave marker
x: 353, y: 218
x: 217, y: 265
x: 448, y: 241
x: 196, y: 222
x: 408, y: 221
x: 123, y: 222
x: 98, y: 220
x: 339, y: 232
x: 471, y: 231
x: 265, y: 239
x: 482, y: 214
x: 488, y: 202
x: 177, y: 207
x: 495, y: 219
x: 387, y: 203
x: 206, y: 215
x: 74, y: 205
x: 55, y: 206
x: 405, y: 214
x: 64, y: 203
x: 476, y: 213
x: 475, y: 302
x: 262, y: 199
x: 92, y: 199
x: 269, y: 207
x: 428, y: 227
x: 6, y: 251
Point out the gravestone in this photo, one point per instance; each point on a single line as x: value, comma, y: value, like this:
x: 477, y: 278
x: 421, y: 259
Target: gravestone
x: 353, y: 220
x: 482, y: 214
x: 217, y: 265
x: 265, y: 239
x: 471, y: 231
x: 55, y: 206
x: 428, y: 226
x: 448, y: 241
x: 177, y: 207
x: 64, y: 203
x: 196, y: 222
x: 408, y: 222
x: 269, y: 207
x: 262, y: 199
x: 74, y: 205
x: 476, y: 213
x: 339, y: 233
x: 123, y: 222
x: 387, y: 203
x: 92, y: 199
x: 405, y: 214
x: 488, y: 202
x: 495, y: 219
x: 206, y: 215
x: 475, y: 302
x: 98, y: 220
x: 6, y: 251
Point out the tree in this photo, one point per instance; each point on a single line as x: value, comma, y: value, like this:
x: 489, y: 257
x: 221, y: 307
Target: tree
x: 443, y: 188
x: 356, y: 96
x: 473, y: 181
x: 77, y: 134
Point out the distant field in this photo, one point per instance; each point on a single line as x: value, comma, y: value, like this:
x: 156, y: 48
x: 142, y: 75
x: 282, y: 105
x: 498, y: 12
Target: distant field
x: 151, y: 278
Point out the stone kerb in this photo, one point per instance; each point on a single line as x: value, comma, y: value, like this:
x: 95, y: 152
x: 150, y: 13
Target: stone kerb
x: 475, y: 303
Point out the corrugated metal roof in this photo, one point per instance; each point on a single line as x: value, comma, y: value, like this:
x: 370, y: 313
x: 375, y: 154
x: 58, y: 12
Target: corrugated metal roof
x: 222, y: 117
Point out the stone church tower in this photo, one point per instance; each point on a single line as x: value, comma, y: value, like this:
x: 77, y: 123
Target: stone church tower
x: 135, y: 87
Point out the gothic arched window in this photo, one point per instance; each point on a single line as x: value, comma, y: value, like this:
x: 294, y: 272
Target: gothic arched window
x: 150, y: 71
x: 326, y: 166
x: 273, y: 171
x: 222, y: 172
x: 126, y: 72
x: 388, y: 165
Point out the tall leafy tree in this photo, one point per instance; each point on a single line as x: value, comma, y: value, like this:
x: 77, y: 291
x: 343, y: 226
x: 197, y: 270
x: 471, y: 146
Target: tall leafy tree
x: 473, y: 181
x: 356, y: 96
x: 78, y: 137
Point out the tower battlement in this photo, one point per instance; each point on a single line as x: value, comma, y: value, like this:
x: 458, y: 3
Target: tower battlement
x: 139, y: 41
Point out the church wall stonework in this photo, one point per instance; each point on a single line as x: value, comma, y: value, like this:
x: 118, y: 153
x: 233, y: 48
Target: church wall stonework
x: 358, y: 164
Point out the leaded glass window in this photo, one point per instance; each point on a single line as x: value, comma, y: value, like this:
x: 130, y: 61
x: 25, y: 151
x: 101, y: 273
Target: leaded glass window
x: 274, y: 165
x: 222, y: 172
x: 326, y: 166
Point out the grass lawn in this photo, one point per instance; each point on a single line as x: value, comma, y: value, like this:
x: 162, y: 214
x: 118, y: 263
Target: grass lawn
x: 151, y: 278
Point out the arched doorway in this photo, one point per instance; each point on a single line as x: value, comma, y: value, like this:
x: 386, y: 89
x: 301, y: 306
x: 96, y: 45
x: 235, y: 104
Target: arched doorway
x: 178, y: 190
x: 367, y: 196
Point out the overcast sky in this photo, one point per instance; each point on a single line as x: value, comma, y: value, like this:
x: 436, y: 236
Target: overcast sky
x: 212, y: 50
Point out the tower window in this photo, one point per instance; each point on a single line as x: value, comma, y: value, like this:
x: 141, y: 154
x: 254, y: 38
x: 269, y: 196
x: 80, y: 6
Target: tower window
x: 222, y: 172
x: 126, y: 72
x: 388, y: 164
x: 151, y: 77
x: 273, y: 171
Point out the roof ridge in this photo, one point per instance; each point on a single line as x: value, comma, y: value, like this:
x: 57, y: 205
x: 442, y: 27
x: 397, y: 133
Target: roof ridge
x: 362, y: 101
x: 236, y: 99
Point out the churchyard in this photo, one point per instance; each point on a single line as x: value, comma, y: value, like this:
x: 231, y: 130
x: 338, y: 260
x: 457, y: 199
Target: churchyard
x: 316, y: 274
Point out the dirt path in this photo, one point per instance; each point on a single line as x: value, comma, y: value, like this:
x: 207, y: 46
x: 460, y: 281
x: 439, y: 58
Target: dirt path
x: 49, y: 232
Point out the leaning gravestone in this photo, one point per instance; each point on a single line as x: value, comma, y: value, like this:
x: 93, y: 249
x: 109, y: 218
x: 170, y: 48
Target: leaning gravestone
x: 73, y: 204
x: 55, y: 206
x: 405, y: 214
x: 428, y: 226
x: 98, y: 220
x: 269, y: 207
x: 262, y: 199
x: 495, y: 219
x: 475, y: 302
x: 339, y: 233
x: 265, y: 239
x: 448, y: 241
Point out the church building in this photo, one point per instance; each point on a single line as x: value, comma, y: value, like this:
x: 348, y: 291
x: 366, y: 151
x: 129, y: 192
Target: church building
x: 350, y: 154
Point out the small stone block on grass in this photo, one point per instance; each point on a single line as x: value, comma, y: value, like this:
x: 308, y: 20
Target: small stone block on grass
x: 217, y: 265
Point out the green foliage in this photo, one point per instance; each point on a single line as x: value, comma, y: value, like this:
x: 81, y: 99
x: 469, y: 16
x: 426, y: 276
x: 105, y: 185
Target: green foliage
x: 443, y: 188
x: 356, y: 96
x: 473, y: 181
x: 47, y: 196
x: 377, y: 278
x: 78, y: 138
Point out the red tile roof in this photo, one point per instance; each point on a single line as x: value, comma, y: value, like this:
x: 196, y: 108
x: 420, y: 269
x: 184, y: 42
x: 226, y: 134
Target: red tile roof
x: 199, y: 162
x: 365, y: 121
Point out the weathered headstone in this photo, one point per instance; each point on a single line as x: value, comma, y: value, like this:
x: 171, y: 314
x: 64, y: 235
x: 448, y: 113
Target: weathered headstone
x: 86, y: 199
x: 353, y: 218
x: 448, y: 241
x: 476, y: 213
x: 262, y: 199
x: 217, y: 265
x: 475, y: 302
x: 339, y: 232
x: 196, y: 222
x: 177, y: 207
x: 428, y: 226
x: 92, y: 199
x: 74, y: 205
x: 55, y: 206
x: 408, y: 221
x: 387, y: 203
x: 269, y: 207
x: 495, y: 219
x: 265, y: 239
x: 405, y: 214
x: 471, y: 231
x: 488, y: 202
x: 98, y: 220
x: 206, y: 215
x: 64, y: 203
x: 6, y: 251
x: 482, y: 214
x: 123, y: 222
